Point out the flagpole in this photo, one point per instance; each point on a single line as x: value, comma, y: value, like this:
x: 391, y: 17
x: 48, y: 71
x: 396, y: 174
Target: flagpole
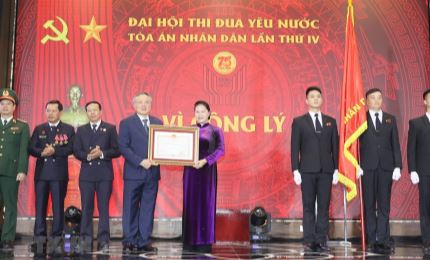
x: 350, y: 12
x: 345, y: 240
x: 363, y: 233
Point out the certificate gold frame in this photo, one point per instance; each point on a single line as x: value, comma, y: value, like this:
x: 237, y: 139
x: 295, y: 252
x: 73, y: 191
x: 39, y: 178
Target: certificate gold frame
x: 171, y: 145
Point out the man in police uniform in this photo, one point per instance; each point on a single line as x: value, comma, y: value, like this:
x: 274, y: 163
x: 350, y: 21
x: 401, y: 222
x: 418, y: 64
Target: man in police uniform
x: 95, y: 145
x: 51, y: 143
x: 14, y: 137
x: 380, y: 162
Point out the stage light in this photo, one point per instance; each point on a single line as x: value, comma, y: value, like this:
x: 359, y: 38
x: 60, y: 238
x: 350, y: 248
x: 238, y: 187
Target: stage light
x: 259, y: 225
x: 72, y: 221
x: 72, y: 218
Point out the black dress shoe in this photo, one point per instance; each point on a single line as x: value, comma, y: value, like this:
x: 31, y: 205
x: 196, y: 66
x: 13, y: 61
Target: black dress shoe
x: 427, y: 250
x: 127, y: 248
x: 145, y: 249
x: 103, y: 247
x: 376, y: 248
x: 369, y: 247
x: 382, y: 249
x: 7, y: 246
x: 311, y: 247
x: 39, y: 249
x: 322, y: 247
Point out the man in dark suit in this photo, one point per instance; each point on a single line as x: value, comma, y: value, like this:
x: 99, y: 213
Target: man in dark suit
x: 51, y: 143
x: 314, y: 160
x: 14, y: 137
x: 419, y: 166
x: 141, y: 177
x: 95, y: 145
x: 381, y: 161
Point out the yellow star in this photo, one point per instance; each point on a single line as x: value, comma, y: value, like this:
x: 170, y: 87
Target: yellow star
x: 93, y: 30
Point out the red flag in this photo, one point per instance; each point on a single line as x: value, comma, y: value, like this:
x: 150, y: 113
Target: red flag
x: 353, y: 113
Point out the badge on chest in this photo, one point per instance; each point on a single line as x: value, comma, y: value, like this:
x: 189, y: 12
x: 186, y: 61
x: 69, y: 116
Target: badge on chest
x: 61, y: 139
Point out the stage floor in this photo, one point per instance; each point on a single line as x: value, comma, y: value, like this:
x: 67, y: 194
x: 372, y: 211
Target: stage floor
x: 234, y: 250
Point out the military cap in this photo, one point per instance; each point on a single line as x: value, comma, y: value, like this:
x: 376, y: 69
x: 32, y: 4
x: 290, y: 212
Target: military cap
x: 9, y: 94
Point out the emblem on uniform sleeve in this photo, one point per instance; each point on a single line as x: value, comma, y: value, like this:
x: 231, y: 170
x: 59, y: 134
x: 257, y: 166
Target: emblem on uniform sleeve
x: 388, y: 120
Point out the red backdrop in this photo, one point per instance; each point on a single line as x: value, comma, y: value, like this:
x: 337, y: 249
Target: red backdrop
x: 255, y: 103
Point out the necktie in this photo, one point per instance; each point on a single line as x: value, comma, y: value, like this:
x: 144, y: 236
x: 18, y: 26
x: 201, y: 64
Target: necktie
x: 94, y: 128
x: 5, y: 122
x: 145, y: 125
x: 378, y: 124
x: 53, y: 128
x: 318, y: 126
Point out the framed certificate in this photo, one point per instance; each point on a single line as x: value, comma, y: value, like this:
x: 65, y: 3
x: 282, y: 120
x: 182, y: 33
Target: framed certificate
x: 173, y: 145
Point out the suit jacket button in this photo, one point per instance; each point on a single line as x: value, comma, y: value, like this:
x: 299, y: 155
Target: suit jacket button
x: 53, y: 160
x: 90, y: 163
x: 98, y: 163
x: 46, y: 159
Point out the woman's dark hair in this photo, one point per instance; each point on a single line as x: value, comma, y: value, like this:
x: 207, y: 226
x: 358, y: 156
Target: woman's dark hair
x: 205, y: 104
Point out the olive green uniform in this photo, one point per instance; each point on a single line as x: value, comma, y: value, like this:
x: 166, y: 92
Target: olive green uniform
x: 14, y: 140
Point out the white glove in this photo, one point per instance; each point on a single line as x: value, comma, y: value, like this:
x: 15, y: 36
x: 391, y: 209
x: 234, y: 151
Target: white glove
x: 396, y: 174
x: 335, y: 177
x: 297, y: 177
x: 360, y: 172
x: 414, y: 178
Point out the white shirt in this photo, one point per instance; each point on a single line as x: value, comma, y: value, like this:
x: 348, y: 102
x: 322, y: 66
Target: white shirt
x: 312, y: 114
x: 144, y: 117
x: 7, y: 119
x: 96, y: 123
x: 428, y: 115
x: 97, y: 127
x: 54, y: 124
x: 372, y: 115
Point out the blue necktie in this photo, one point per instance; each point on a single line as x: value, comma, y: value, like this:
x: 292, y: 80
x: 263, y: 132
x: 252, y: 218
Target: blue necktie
x: 145, y: 125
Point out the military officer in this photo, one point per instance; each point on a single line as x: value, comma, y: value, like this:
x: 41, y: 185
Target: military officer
x: 14, y: 137
x: 51, y: 143
x: 95, y: 145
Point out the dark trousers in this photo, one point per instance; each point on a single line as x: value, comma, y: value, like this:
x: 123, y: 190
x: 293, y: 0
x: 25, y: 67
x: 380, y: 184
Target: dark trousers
x: 377, y: 196
x: 58, y: 190
x: 424, y: 191
x: 89, y: 189
x: 138, y: 211
x: 316, y: 187
x: 9, y: 195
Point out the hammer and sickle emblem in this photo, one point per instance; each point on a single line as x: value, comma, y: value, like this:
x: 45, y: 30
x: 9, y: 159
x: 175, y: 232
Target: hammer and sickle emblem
x: 59, y: 36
